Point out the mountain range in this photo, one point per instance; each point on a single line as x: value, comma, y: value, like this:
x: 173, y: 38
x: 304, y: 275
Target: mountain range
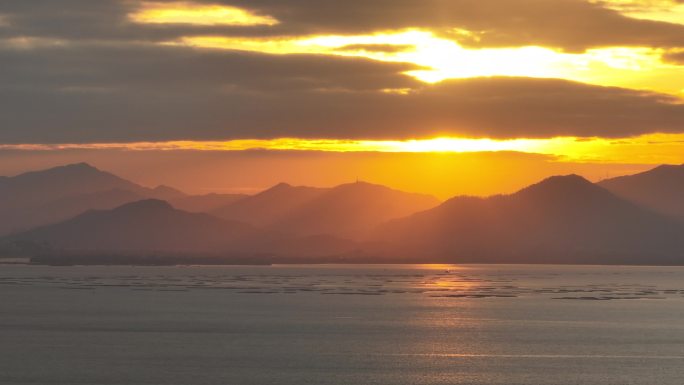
x: 149, y: 225
x: 346, y: 211
x: 563, y: 219
x: 267, y: 207
x: 50, y: 196
x: 78, y: 209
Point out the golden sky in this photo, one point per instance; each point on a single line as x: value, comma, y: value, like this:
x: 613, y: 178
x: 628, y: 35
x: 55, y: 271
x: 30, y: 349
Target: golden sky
x: 633, y: 66
x: 575, y: 82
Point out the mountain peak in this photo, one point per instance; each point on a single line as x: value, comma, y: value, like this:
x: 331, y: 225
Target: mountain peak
x: 74, y: 168
x: 74, y: 171
x: 670, y: 166
x: 280, y: 186
x: 80, y: 165
x: 662, y: 173
x: 567, y: 179
x: 361, y: 185
x: 658, y: 189
x: 570, y: 185
x: 163, y: 187
x: 164, y: 192
x: 667, y: 169
x: 286, y: 188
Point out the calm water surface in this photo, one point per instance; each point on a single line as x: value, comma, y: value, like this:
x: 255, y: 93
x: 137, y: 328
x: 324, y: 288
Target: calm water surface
x: 342, y: 325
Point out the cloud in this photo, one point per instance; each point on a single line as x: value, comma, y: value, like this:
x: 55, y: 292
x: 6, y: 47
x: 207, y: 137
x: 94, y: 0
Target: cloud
x: 163, y: 69
x: 188, y: 13
x: 83, y: 93
x: 384, y: 48
x: 82, y: 71
x: 674, y: 57
x: 572, y: 25
x: 127, y: 92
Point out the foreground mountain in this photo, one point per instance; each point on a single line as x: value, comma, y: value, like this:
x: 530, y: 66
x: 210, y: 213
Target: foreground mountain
x: 27, y: 218
x: 153, y: 232
x: 268, y: 206
x: 143, y: 226
x: 661, y: 189
x: 563, y: 219
x: 352, y: 210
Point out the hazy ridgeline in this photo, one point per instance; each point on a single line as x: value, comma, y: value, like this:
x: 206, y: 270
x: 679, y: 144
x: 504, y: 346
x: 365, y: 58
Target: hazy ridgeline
x: 79, y: 214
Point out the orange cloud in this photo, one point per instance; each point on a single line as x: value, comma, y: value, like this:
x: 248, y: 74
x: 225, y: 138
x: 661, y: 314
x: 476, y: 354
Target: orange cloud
x: 183, y: 12
x: 647, y: 149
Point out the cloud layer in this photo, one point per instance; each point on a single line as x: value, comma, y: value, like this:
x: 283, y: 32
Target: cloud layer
x: 567, y: 24
x: 81, y: 71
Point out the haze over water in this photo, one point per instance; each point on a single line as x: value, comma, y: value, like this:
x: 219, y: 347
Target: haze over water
x: 391, y: 324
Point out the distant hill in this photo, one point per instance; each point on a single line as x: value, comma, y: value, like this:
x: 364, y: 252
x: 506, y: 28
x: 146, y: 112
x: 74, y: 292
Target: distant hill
x: 27, y: 218
x: 352, y: 210
x: 39, y: 187
x: 564, y: 219
x: 661, y: 189
x: 205, y: 203
x: 150, y: 230
x: 147, y: 225
x: 269, y: 206
x: 165, y: 193
x: 50, y: 196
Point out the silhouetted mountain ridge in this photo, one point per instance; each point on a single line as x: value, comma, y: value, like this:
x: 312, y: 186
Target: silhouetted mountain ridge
x: 36, y: 187
x: 660, y: 189
x: 145, y: 205
x: 563, y: 219
x: 42, y: 197
x: 150, y: 229
x: 49, y: 196
x: 205, y: 203
x: 352, y: 210
x: 268, y: 206
x: 147, y: 225
x: 65, y: 208
x: 164, y: 192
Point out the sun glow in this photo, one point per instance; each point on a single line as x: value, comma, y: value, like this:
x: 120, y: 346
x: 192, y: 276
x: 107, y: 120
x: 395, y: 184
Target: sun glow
x: 647, y: 149
x: 631, y: 67
x: 671, y: 11
x: 190, y: 13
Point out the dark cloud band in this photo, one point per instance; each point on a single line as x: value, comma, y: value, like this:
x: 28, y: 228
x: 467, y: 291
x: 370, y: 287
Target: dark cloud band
x: 87, y: 74
x: 130, y: 93
x: 572, y: 25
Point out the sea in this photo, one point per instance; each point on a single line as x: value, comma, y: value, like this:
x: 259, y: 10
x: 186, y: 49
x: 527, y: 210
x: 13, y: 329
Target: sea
x: 342, y: 324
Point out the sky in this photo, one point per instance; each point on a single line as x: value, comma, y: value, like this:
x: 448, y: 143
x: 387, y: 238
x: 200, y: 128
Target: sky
x: 445, y: 97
